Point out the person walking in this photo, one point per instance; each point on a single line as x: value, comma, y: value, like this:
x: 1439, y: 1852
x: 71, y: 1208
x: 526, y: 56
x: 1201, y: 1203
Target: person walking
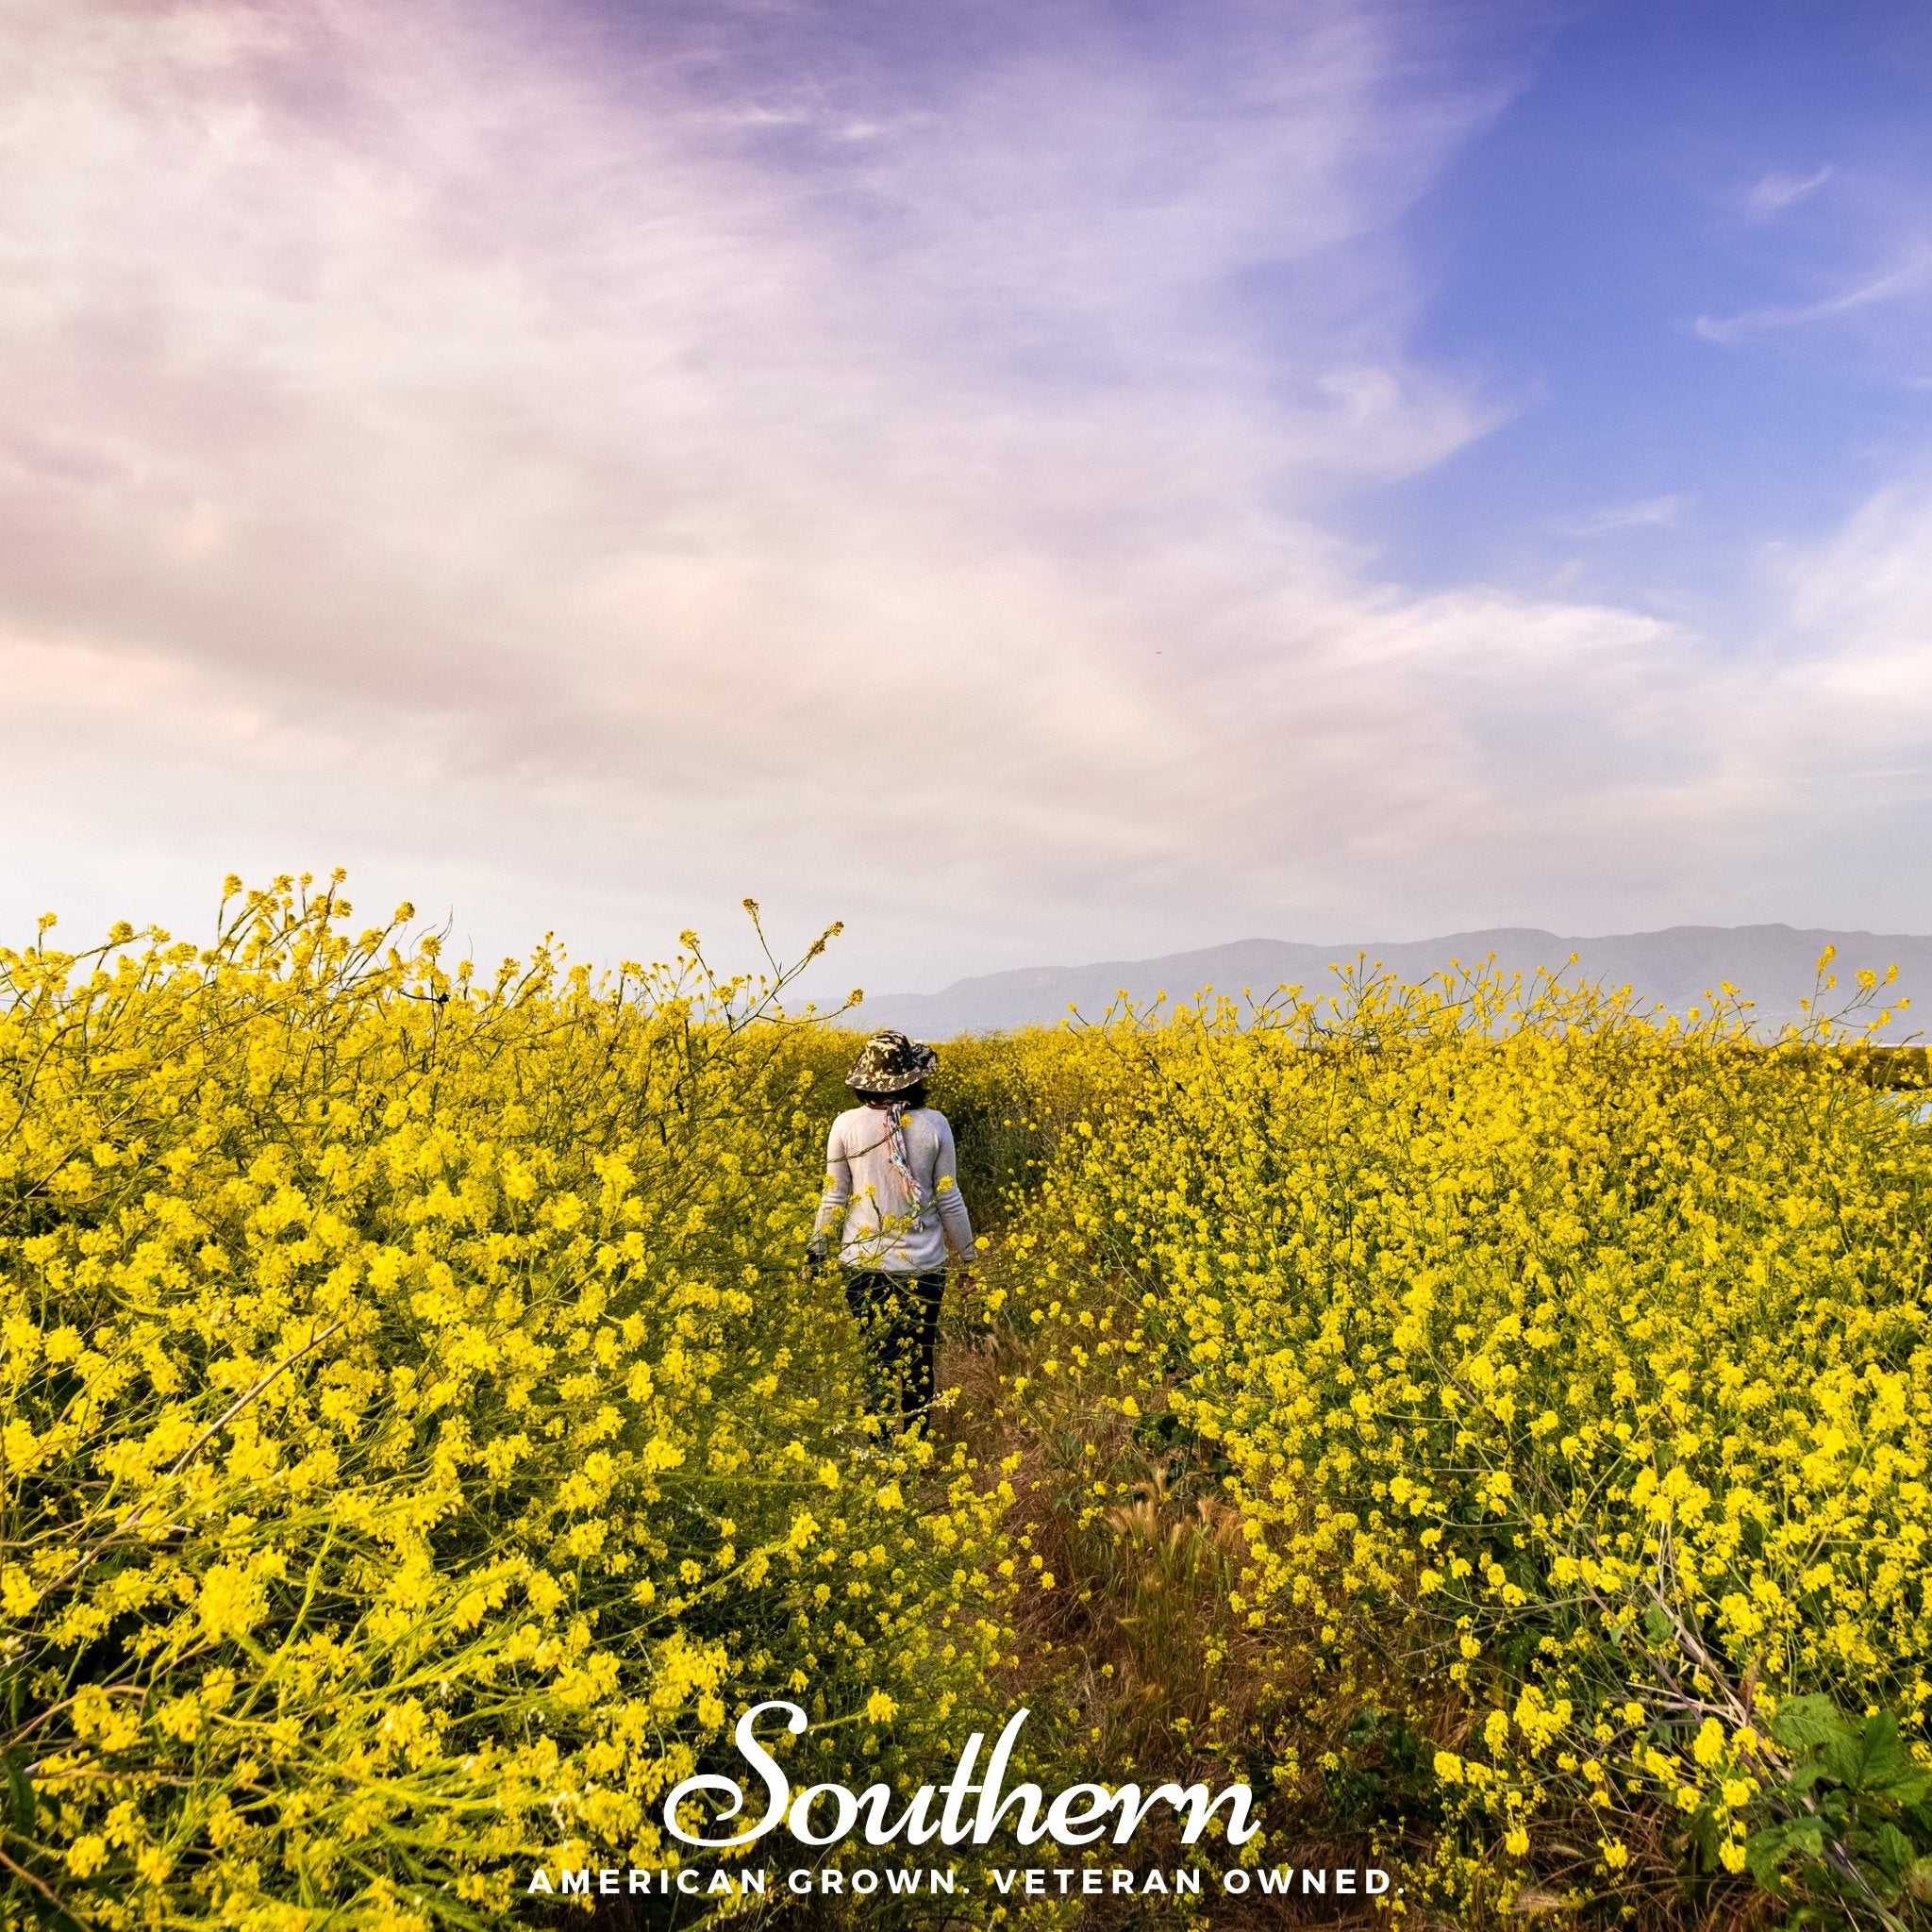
x: 892, y: 1201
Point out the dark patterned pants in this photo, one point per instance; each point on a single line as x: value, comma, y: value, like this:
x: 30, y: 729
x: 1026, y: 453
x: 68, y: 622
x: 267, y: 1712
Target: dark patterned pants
x: 899, y: 1317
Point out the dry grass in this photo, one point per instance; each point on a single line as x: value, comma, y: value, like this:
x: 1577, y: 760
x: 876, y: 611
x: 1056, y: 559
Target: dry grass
x: 1137, y: 1667
x: 1135, y: 1664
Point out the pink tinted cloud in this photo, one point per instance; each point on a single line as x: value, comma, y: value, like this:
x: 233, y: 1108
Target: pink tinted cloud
x: 452, y: 440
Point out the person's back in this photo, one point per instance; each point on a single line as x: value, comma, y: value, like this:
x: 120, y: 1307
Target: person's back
x: 901, y: 1221
x: 892, y: 1198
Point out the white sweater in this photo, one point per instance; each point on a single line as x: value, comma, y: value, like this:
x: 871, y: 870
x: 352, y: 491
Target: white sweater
x: 866, y: 1196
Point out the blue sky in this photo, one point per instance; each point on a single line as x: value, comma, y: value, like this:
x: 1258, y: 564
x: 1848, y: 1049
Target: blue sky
x: 1037, y: 482
x: 1690, y: 259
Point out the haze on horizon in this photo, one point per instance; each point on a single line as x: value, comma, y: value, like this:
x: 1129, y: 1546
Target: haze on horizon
x: 1035, y: 482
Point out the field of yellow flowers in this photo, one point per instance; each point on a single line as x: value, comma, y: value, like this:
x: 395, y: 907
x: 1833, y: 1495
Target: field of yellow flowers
x: 1492, y: 1422
x: 416, y: 1441
x: 1555, y: 1392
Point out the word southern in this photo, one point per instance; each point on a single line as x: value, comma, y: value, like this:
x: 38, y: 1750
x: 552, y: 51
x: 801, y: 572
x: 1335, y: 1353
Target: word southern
x: 826, y: 1814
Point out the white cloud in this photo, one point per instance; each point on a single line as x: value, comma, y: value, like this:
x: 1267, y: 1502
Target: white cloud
x: 1650, y: 512
x: 1907, y: 278
x: 445, y: 449
x: 1775, y: 193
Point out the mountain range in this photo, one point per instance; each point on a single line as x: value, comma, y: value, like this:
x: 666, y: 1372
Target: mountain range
x: 1773, y: 966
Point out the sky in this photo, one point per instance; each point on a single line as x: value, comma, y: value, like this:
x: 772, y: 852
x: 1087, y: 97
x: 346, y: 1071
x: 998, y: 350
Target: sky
x: 1036, y: 481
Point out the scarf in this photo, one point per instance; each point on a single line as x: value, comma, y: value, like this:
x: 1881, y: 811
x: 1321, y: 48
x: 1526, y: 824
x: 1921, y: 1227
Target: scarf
x: 896, y: 1154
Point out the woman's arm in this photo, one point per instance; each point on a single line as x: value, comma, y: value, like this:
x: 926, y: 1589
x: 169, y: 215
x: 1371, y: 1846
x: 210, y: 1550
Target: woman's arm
x: 953, y: 1218
x: 833, y: 1201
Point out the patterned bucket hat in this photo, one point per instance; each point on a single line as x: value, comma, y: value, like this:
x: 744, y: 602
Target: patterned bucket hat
x: 890, y: 1063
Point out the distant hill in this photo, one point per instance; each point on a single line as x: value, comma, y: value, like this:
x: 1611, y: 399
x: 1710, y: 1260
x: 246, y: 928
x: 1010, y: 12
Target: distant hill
x: 1775, y: 966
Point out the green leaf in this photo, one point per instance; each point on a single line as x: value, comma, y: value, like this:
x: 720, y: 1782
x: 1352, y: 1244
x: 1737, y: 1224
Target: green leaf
x: 1893, y: 1849
x: 1872, y: 1760
x: 1918, y: 1880
x: 1767, y: 1850
x: 1363, y: 1726
x: 21, y: 1791
x: 1803, y: 1722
